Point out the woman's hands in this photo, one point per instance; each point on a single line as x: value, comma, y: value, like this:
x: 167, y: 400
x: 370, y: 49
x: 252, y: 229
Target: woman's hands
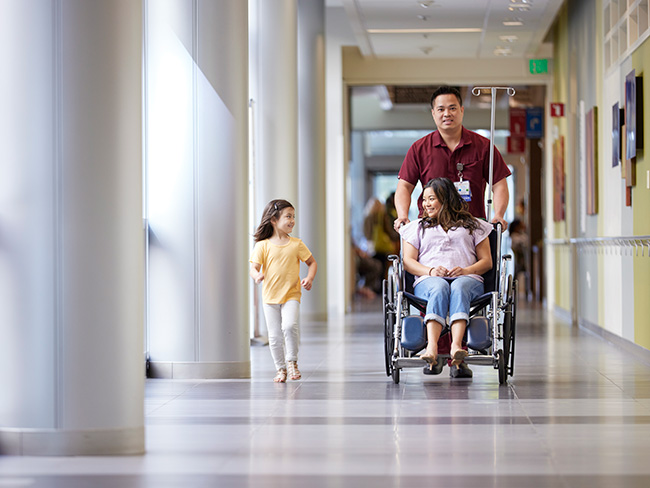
x: 457, y: 271
x: 448, y: 273
x: 438, y: 271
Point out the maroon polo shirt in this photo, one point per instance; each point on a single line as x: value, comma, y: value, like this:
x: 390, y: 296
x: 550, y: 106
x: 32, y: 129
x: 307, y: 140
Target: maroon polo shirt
x: 430, y: 158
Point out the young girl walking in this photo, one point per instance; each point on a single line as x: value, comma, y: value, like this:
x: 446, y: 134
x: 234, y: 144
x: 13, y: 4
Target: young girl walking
x: 276, y: 262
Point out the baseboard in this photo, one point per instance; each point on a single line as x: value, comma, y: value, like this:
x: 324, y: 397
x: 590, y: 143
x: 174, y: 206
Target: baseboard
x: 55, y: 442
x: 313, y: 317
x: 563, y: 315
x: 199, y: 370
x: 641, y: 353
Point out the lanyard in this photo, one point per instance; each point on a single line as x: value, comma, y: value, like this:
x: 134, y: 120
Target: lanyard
x: 459, y: 167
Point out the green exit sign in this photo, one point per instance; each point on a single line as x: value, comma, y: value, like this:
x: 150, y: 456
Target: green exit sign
x: 538, y: 66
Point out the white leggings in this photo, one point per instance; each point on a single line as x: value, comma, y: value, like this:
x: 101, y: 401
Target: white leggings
x: 284, y: 333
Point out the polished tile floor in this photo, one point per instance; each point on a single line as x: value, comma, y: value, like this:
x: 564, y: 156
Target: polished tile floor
x: 576, y: 414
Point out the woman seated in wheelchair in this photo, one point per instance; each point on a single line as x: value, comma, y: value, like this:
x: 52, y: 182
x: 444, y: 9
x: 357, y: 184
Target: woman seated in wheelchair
x: 447, y: 250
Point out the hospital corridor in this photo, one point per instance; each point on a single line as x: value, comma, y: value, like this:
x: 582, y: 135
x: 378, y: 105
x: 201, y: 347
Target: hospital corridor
x: 234, y: 236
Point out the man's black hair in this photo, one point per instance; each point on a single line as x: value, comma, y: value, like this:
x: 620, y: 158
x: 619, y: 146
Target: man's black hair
x: 447, y: 90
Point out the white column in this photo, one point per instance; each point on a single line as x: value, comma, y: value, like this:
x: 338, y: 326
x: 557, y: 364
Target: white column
x: 274, y: 91
x: 196, y: 127
x: 311, y: 149
x: 71, y: 234
x: 277, y: 103
x: 338, y: 234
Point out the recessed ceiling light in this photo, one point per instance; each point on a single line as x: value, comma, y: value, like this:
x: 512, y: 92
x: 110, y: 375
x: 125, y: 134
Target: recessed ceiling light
x: 513, y: 21
x: 425, y: 4
x: 502, y: 51
x: 508, y: 38
x: 443, y: 30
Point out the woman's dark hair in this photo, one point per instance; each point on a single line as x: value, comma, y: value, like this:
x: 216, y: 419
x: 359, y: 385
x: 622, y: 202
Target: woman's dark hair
x: 272, y: 211
x: 453, y: 212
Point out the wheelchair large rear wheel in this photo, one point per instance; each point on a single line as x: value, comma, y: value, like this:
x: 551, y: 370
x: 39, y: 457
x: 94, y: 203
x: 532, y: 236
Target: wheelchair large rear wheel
x: 509, y: 328
x: 395, y: 375
x: 507, y: 351
x: 502, y: 367
x: 389, y: 327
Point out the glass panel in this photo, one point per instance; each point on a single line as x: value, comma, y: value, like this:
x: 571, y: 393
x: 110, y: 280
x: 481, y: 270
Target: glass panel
x: 632, y: 27
x: 643, y: 17
x: 622, y: 38
x: 613, y: 12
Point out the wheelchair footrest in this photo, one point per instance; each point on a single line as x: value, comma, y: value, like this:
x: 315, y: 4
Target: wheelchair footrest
x: 414, y: 333
x: 478, y: 333
x: 480, y: 359
x: 414, y: 362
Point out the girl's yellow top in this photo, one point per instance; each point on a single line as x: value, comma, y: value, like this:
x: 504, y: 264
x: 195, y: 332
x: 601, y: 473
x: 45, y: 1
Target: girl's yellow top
x: 281, y: 268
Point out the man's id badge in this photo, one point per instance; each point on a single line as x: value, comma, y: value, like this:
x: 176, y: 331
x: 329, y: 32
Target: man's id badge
x: 464, y: 190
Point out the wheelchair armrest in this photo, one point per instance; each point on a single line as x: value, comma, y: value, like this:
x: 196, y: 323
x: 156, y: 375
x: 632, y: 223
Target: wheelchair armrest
x: 417, y: 302
x: 480, y: 302
x: 393, y: 257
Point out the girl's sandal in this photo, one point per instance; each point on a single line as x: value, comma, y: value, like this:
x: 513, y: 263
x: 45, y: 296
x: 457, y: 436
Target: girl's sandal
x: 294, y: 372
x: 281, y: 376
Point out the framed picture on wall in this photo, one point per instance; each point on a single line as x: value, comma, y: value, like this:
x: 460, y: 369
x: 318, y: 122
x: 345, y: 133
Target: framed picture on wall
x: 630, y: 111
x: 558, y: 179
x: 617, y: 123
x: 591, y: 153
x: 633, y: 113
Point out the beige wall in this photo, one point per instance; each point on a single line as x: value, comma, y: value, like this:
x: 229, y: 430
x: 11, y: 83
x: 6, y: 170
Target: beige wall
x: 607, y: 289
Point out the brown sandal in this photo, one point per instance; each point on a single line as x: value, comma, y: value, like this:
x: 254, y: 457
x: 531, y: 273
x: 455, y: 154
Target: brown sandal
x: 281, y: 376
x: 294, y: 372
x: 458, y: 356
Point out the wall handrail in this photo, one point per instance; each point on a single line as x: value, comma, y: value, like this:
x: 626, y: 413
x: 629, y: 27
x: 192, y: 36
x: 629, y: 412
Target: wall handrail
x: 607, y: 245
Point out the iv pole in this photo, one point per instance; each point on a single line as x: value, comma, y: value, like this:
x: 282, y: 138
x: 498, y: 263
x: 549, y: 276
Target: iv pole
x: 476, y: 91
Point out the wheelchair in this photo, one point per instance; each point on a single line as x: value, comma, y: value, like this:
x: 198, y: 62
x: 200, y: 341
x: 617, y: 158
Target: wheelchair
x: 490, y: 332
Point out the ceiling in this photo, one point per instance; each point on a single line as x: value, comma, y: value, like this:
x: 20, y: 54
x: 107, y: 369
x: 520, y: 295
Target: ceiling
x: 459, y: 29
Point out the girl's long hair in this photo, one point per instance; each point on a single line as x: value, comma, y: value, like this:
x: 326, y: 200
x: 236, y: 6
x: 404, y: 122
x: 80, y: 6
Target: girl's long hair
x: 272, y: 211
x: 453, y: 212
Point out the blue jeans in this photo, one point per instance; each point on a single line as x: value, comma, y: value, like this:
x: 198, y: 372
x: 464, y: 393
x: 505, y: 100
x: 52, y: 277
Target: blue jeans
x: 448, y: 296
